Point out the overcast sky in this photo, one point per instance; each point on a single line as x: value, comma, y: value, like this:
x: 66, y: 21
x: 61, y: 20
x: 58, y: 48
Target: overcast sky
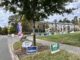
x: 4, y: 15
x: 68, y: 16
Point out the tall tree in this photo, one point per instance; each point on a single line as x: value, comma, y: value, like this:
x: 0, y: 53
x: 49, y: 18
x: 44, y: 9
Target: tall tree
x: 66, y: 20
x: 0, y: 30
x: 79, y: 22
x: 26, y: 25
x: 4, y: 31
x: 75, y: 22
x: 35, y: 10
x: 55, y: 21
x: 13, y: 23
x: 60, y: 21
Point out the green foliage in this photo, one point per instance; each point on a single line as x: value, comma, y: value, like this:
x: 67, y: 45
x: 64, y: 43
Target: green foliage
x: 0, y: 30
x: 71, y: 39
x: 36, y: 9
x: 4, y: 31
x: 26, y: 25
x: 75, y: 21
x: 13, y: 24
x: 65, y: 20
x: 12, y: 30
x: 60, y: 21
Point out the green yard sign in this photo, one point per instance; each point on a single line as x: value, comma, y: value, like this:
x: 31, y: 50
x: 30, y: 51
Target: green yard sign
x: 54, y: 48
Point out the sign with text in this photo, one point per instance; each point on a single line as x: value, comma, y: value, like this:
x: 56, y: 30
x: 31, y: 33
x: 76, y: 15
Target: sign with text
x: 32, y: 49
x: 54, y: 48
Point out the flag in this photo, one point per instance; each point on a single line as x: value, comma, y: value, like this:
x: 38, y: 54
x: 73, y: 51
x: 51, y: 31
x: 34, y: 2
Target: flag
x: 19, y: 28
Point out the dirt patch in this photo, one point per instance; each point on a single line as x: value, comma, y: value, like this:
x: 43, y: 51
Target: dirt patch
x: 22, y: 52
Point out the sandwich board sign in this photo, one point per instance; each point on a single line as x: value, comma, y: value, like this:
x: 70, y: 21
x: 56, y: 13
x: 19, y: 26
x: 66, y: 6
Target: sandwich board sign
x: 54, y: 48
x: 32, y: 49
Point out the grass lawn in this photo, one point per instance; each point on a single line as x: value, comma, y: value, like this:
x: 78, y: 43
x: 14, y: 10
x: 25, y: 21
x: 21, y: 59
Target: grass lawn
x: 17, y: 45
x: 71, y: 39
x: 46, y: 55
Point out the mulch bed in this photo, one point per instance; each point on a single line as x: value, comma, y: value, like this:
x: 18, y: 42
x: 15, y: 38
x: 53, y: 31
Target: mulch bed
x: 22, y: 52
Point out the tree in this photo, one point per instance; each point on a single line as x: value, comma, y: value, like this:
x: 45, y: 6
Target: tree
x: 4, y: 31
x: 26, y: 25
x: 75, y: 22
x: 55, y: 21
x: 66, y: 20
x: 60, y: 21
x: 0, y: 30
x: 79, y: 22
x: 36, y: 10
x: 13, y: 23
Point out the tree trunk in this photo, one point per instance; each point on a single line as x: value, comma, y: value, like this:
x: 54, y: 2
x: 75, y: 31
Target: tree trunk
x: 34, y: 35
x: 68, y: 28
x: 74, y: 27
x: 55, y: 26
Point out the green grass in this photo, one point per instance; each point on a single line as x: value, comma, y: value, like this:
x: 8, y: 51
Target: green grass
x: 17, y: 45
x: 46, y: 55
x: 71, y: 39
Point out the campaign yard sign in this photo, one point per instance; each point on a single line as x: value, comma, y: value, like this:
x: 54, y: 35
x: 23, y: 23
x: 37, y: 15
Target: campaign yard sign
x: 32, y: 49
x: 55, y: 48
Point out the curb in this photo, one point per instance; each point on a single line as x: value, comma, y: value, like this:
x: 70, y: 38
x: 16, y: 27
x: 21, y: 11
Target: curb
x: 13, y: 55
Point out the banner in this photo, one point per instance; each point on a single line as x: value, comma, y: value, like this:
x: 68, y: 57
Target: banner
x: 19, y: 28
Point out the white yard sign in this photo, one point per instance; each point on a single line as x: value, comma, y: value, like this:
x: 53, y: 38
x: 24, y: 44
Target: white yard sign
x: 26, y: 44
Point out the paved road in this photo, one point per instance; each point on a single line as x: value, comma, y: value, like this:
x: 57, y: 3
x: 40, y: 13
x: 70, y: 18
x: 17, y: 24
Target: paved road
x: 4, y: 49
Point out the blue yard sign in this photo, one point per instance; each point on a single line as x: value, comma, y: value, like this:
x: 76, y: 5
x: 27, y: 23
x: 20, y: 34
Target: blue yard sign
x: 54, y: 48
x: 32, y: 49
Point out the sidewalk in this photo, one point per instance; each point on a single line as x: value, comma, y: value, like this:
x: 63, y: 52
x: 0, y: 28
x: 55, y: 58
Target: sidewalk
x: 69, y: 48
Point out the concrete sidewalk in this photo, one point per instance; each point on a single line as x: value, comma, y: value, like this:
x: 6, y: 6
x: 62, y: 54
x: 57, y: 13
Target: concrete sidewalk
x: 69, y: 48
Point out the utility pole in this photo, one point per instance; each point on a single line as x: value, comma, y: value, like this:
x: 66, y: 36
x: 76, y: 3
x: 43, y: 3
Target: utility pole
x: 55, y: 21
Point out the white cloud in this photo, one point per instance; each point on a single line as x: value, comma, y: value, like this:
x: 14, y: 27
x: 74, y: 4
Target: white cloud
x: 73, y: 5
x: 4, y: 17
x: 76, y: 12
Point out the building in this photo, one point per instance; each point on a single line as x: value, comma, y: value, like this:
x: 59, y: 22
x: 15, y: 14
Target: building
x: 62, y: 27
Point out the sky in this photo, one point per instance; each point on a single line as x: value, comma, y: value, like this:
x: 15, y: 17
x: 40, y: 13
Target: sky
x: 4, y: 17
x: 68, y: 16
x: 5, y: 14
